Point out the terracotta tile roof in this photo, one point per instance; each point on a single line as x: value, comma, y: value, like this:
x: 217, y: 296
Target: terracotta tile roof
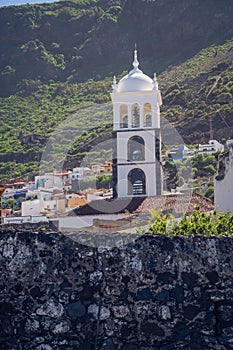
x: 176, y: 202
x: 179, y: 203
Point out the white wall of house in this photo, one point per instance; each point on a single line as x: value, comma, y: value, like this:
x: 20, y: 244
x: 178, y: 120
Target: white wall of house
x: 57, y: 205
x: 24, y: 219
x: 223, y: 188
x: 48, y: 180
x: 32, y: 207
x: 211, y: 147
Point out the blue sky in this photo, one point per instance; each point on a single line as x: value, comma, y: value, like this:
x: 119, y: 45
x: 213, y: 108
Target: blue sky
x: 21, y: 2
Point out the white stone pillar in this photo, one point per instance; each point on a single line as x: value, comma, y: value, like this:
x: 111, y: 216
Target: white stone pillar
x: 129, y: 116
x: 141, y: 116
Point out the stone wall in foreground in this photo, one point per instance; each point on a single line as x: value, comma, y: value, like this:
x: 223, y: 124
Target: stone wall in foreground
x: 159, y: 292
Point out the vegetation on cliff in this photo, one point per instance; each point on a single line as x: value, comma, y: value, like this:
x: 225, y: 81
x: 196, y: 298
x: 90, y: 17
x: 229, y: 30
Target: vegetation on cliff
x: 77, y: 39
x: 57, y: 70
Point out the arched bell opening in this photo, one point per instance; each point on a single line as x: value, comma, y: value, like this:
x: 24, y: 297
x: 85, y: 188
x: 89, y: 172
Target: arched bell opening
x: 136, y: 182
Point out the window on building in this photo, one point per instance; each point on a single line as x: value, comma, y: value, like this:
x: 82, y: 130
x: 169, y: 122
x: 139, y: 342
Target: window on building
x: 136, y: 148
x: 124, y: 123
x: 135, y: 115
x: 148, y: 121
x: 147, y: 115
x: 123, y: 116
x: 136, y: 182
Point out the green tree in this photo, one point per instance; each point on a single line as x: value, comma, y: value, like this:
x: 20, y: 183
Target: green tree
x: 10, y: 203
x: 103, y: 181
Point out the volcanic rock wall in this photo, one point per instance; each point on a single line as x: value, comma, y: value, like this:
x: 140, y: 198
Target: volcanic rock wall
x: 158, y: 292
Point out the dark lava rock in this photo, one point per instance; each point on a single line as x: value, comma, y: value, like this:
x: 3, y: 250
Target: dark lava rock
x: 108, y: 345
x: 65, y: 284
x: 130, y: 347
x: 195, y: 346
x: 168, y: 347
x: 35, y: 292
x: 144, y: 294
x: 48, y: 239
x: 166, y: 277
x: 85, y: 346
x: 151, y: 328
x: 44, y: 347
x: 164, y: 295
x: 204, y: 301
x: 212, y: 277
x: 6, y: 326
x: 189, y: 278
x: 124, y: 294
x: 225, y: 313
x: 86, y: 293
x: 125, y: 331
x: 191, y: 311
x: 125, y: 279
x: 168, y: 245
x: 180, y: 331
x: 76, y: 309
x: 18, y: 288
x: 5, y: 308
x: 178, y: 293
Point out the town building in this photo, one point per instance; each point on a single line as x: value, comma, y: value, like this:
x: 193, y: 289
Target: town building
x: 103, y: 169
x: 211, y: 147
x: 136, y: 133
x: 223, y: 183
x: 180, y: 152
x: 47, y: 180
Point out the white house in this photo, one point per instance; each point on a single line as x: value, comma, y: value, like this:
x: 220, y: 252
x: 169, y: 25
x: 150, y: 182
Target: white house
x: 32, y: 208
x: 80, y: 173
x: 48, y: 180
x: 211, y: 147
x: 223, y: 183
x: 137, y: 137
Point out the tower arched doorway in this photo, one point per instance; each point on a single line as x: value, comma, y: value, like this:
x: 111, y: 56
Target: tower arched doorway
x: 136, y: 182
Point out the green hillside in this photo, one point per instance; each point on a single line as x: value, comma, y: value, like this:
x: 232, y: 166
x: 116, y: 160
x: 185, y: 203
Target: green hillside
x: 80, y: 39
x: 192, y: 92
x: 42, y: 91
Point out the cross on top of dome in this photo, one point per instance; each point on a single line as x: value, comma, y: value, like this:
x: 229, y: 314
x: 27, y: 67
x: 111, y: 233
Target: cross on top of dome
x: 135, y: 62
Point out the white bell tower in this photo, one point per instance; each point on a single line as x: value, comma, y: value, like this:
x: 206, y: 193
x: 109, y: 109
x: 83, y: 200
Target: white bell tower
x: 136, y: 133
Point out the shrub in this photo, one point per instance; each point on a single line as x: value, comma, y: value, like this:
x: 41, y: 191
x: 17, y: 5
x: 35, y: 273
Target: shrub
x: 196, y: 223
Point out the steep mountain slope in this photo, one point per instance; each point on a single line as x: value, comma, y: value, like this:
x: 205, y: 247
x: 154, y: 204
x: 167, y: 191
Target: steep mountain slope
x: 39, y: 66
x: 201, y: 90
x: 81, y: 39
x: 81, y: 114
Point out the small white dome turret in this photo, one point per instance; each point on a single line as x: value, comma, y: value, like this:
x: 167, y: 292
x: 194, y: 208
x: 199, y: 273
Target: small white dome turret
x: 136, y: 80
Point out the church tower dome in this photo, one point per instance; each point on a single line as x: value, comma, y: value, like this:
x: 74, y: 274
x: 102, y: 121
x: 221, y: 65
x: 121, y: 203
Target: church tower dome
x: 135, y: 80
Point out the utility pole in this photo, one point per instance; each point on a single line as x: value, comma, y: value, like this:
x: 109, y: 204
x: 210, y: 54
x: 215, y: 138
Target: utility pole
x: 211, y: 128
